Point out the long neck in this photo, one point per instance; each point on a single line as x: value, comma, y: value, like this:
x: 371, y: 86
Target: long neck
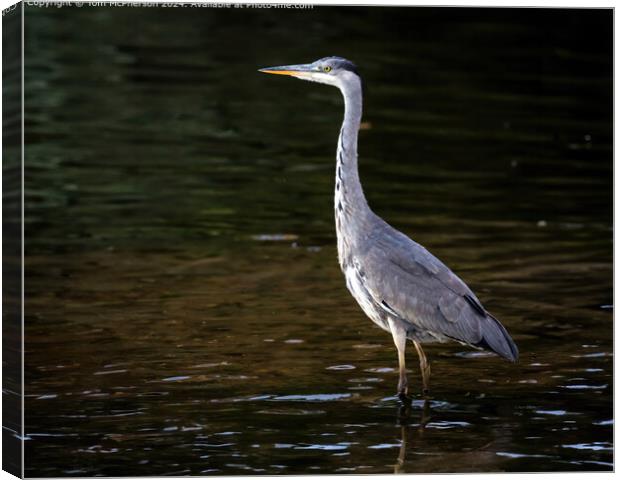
x: 350, y: 207
x: 349, y: 196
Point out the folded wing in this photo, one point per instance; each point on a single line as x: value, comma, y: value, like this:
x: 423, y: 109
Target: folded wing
x: 406, y: 278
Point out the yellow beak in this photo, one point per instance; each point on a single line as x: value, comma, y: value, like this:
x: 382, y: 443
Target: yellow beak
x: 291, y: 70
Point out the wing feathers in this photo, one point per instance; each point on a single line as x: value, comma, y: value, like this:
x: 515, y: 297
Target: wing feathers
x: 415, y: 285
x: 496, y: 338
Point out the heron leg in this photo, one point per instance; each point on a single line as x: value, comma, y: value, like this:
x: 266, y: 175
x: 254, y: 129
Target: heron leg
x: 425, y: 368
x: 399, y: 335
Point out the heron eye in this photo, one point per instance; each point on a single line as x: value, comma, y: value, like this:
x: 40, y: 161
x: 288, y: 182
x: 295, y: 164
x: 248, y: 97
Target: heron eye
x: 327, y: 69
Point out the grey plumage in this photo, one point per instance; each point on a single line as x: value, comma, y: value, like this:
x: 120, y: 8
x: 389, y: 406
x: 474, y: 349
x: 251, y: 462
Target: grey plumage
x: 433, y: 302
x: 399, y: 284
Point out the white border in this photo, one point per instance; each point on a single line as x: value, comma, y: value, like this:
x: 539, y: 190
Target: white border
x: 479, y: 3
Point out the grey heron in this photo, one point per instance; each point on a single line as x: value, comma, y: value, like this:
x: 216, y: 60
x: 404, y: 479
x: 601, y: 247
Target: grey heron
x: 400, y: 285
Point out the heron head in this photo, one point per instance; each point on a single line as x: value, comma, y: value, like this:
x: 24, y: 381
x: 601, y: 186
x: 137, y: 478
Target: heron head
x: 330, y: 70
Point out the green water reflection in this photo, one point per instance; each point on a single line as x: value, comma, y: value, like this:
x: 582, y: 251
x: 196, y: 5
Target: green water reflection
x: 185, y: 312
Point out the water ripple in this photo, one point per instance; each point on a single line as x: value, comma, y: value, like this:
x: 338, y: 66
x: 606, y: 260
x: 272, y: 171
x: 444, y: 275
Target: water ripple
x: 445, y: 425
x: 590, y: 446
x: 340, y: 367
x: 317, y: 397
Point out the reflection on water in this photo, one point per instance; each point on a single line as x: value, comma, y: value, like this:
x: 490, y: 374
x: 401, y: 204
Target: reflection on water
x: 185, y: 312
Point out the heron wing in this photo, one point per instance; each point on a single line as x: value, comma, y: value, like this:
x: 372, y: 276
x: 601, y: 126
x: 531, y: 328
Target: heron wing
x: 403, y: 276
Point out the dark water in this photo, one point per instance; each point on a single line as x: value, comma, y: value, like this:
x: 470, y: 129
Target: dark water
x: 185, y: 313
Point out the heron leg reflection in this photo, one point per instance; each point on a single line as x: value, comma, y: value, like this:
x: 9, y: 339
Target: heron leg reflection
x: 404, y: 411
x: 426, y: 415
x: 404, y: 417
x: 400, y: 461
